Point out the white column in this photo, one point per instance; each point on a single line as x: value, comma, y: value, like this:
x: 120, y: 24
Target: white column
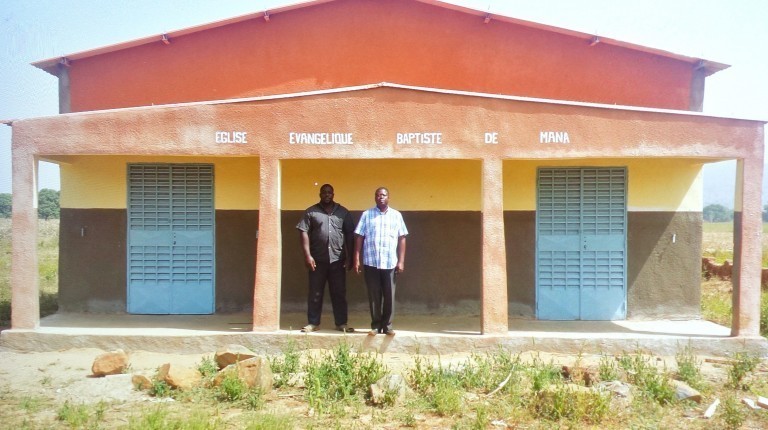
x: 266, y: 293
x: 747, y: 248
x: 494, y: 318
x: 25, y: 300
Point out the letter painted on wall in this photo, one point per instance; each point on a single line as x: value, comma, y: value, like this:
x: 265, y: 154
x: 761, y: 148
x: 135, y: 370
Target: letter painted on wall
x: 299, y: 138
x: 232, y: 137
x: 554, y: 137
x: 432, y: 138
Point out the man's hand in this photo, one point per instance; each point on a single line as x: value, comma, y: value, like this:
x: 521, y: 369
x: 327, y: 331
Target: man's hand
x: 400, y: 268
x: 310, y: 263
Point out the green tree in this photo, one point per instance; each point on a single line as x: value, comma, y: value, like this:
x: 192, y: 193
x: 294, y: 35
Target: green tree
x: 717, y: 213
x: 5, y: 205
x: 48, y: 203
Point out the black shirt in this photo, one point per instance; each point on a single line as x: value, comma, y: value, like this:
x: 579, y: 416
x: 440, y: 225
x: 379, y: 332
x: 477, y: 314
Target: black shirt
x: 326, y: 231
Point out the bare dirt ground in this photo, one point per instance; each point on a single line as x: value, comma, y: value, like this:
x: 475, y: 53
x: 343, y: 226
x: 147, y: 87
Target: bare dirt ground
x: 53, y: 379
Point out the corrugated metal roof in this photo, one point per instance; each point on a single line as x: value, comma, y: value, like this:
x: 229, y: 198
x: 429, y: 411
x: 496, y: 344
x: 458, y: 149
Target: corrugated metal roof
x: 50, y: 65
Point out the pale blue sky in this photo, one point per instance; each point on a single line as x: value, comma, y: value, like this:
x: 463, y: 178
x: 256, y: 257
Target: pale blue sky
x: 729, y: 31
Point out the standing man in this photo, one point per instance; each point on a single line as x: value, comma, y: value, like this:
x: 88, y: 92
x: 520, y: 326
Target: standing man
x: 380, y: 235
x: 325, y: 232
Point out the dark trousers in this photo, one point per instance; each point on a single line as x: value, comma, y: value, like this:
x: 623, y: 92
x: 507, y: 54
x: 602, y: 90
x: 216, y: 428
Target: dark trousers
x: 336, y: 277
x: 381, y: 297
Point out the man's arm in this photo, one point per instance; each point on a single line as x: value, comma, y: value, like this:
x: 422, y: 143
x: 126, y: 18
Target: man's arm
x: 308, y: 260
x: 358, y: 248
x: 400, y: 255
x: 349, y: 240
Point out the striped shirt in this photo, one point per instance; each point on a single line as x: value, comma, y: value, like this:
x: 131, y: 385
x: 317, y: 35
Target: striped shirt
x: 381, y: 231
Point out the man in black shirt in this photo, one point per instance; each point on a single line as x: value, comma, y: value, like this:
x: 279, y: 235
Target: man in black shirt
x: 326, y: 234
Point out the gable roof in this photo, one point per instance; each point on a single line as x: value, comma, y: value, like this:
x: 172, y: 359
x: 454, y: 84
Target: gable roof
x: 50, y: 65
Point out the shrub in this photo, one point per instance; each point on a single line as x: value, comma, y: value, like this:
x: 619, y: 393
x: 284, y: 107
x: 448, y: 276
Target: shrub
x: 285, y: 365
x: 608, y: 370
x: 208, y: 367
x: 160, y: 389
x: 340, y: 376
x: 646, y: 377
x: 74, y: 415
x: 543, y: 375
x: 689, y: 368
x: 733, y: 415
x: 232, y: 388
x: 487, y: 372
x: 446, y: 398
x: 561, y: 401
x: 742, y: 365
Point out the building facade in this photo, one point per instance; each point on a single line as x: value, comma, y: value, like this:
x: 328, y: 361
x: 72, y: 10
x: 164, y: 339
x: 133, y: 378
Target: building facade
x: 543, y: 173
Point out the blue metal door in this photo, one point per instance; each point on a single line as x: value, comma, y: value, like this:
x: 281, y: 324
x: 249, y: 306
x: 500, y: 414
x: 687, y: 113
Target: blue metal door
x: 581, y: 243
x: 170, y: 239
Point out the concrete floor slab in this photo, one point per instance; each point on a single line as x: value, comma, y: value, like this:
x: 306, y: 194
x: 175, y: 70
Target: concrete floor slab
x: 416, y: 333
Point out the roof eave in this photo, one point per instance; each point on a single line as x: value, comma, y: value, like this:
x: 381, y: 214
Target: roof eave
x: 51, y: 65
x: 315, y: 93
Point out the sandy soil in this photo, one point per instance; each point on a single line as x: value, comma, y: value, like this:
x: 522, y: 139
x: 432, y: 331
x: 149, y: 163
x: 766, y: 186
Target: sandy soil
x: 66, y: 375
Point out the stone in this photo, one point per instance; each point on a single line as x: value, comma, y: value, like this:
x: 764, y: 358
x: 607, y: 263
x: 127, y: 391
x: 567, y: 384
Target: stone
x: 749, y: 402
x: 710, y: 412
x: 255, y: 372
x: 393, y: 384
x: 179, y: 377
x: 141, y: 382
x: 762, y: 402
x: 684, y: 392
x: 110, y: 363
x: 231, y: 354
x: 297, y: 380
x: 616, y: 387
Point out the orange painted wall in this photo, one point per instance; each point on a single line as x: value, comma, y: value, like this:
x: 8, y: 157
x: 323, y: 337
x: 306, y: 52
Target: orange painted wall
x: 354, y: 42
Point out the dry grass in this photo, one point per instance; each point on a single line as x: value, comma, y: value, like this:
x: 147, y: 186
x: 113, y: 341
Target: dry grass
x: 48, y: 267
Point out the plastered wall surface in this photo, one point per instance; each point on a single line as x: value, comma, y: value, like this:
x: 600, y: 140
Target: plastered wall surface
x: 355, y: 42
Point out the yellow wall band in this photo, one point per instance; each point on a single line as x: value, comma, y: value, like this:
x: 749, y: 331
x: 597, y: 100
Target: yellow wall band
x: 413, y: 184
x: 653, y: 185
x: 664, y: 185
x: 100, y: 181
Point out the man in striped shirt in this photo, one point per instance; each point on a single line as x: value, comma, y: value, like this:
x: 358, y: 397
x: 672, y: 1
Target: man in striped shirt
x: 380, y: 236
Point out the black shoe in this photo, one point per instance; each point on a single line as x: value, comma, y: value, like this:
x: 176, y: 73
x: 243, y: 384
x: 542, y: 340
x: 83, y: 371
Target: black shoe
x: 344, y: 328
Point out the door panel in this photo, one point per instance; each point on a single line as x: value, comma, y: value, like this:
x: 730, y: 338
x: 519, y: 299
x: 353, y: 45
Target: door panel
x: 170, y: 239
x: 581, y: 244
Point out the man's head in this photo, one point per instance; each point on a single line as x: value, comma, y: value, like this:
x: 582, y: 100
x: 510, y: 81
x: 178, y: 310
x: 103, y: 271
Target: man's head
x: 381, y: 197
x: 326, y: 194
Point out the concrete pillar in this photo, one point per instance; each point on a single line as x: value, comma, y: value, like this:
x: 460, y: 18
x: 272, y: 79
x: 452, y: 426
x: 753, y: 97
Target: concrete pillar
x: 747, y: 248
x: 25, y: 290
x: 64, y: 98
x: 494, y: 319
x: 698, y: 80
x: 266, y: 293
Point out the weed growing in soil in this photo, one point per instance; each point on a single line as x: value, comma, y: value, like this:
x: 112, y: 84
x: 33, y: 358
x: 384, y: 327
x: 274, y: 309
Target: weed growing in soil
x: 689, y: 368
x: 340, y: 376
x: 742, y: 365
